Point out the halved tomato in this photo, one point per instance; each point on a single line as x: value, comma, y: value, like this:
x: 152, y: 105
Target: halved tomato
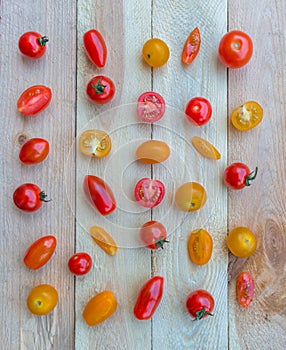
x: 149, y: 193
x: 95, y: 143
x: 205, y: 148
x: 191, y: 47
x: 247, y: 116
x: 151, y: 107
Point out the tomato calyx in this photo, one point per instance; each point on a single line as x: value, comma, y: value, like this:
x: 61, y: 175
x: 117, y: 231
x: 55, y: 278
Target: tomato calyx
x: 43, y: 197
x: 159, y: 243
x: 201, y: 313
x: 251, y: 177
x: 43, y: 40
x: 98, y: 87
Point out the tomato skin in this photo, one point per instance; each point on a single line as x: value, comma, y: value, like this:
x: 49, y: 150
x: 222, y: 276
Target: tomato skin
x: 99, y: 194
x: 241, y: 242
x: 200, y: 247
x: 100, y: 89
x: 190, y: 196
x: 153, y: 151
x: 200, y: 304
x: 80, y: 263
x: 149, y: 298
x: 42, y: 299
x: 34, y: 151
x: 149, y: 193
x: 191, y: 47
x: 198, y: 111
x: 29, y: 197
x: 103, y: 240
x: 32, y: 45
x: 34, y: 100
x: 235, y: 49
x: 237, y: 176
x: 155, y: 52
x: 151, y: 107
x: 95, y: 47
x: 245, y: 289
x: 153, y: 234
x: 40, y: 252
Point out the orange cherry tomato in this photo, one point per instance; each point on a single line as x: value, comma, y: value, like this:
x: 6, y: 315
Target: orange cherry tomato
x: 245, y: 289
x: 42, y: 299
x: 99, y: 308
x: 95, y: 143
x: 191, y: 196
x: 192, y: 46
x: 200, y: 246
x: 155, y: 52
x: 103, y: 239
x: 152, y: 152
x: 34, y: 151
x: 34, y: 100
x: 247, y: 116
x: 241, y: 242
x: 40, y: 252
x: 205, y: 148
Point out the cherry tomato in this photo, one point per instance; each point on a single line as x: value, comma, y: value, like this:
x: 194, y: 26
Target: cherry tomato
x: 155, y: 52
x: 192, y: 46
x: 149, y: 193
x: 245, y: 289
x: 205, y: 148
x: 42, y: 299
x: 200, y: 304
x: 153, y: 234
x: 100, y: 89
x: 235, y: 49
x: 151, y: 107
x: 95, y: 47
x: 99, y: 308
x: 32, y: 44
x: 247, y: 116
x: 80, y: 263
x: 198, y: 111
x: 40, y: 252
x: 149, y: 298
x: 34, y: 151
x: 153, y: 151
x: 238, y: 175
x: 103, y: 239
x: 200, y: 246
x: 29, y: 197
x: 99, y: 194
x: 95, y: 143
x: 241, y: 242
x: 191, y: 196
x: 34, y: 100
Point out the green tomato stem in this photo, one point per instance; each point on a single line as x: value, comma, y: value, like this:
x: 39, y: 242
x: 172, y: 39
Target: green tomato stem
x: 43, y: 197
x: 43, y: 40
x: 98, y: 87
x: 201, y: 313
x: 160, y: 242
x: 251, y: 177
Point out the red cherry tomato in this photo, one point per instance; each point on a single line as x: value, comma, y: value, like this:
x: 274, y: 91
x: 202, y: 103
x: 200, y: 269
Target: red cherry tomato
x: 34, y: 151
x: 198, y: 111
x: 99, y: 194
x: 191, y: 47
x: 95, y: 47
x: 153, y: 235
x: 29, y: 197
x: 32, y: 45
x: 200, y: 304
x: 238, y: 175
x: 80, y: 263
x: 149, y: 298
x: 100, y: 89
x: 34, y: 100
x: 151, y: 107
x: 40, y: 252
x: 245, y: 289
x: 235, y: 49
x: 149, y: 193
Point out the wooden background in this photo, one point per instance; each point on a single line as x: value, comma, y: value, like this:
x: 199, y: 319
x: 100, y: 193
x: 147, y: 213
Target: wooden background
x: 126, y: 25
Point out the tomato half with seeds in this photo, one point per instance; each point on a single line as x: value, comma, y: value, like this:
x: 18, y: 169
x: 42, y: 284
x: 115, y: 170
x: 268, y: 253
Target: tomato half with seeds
x: 29, y: 197
x: 40, y: 252
x: 247, y: 116
x: 149, y: 193
x: 155, y: 52
x: 238, y: 175
x: 200, y: 304
x: 32, y: 45
x: 241, y: 242
x: 149, y: 298
x: 95, y: 143
x: 100, y: 89
x: 191, y: 47
x: 191, y: 196
x: 198, y: 111
x: 95, y: 47
x: 80, y: 263
x: 42, y: 299
x: 153, y: 234
x: 151, y: 107
x: 200, y: 246
x: 205, y: 148
x: 245, y: 289
x: 34, y: 100
x: 34, y: 151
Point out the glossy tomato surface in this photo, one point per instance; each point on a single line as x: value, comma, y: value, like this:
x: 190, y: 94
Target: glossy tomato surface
x: 238, y: 175
x: 34, y: 151
x: 200, y: 246
x: 32, y: 45
x: 29, y: 197
x: 34, y: 100
x: 100, y: 89
x: 241, y: 242
x: 191, y: 47
x: 190, y: 196
x: 149, y: 193
x: 40, y: 252
x: 200, y: 304
x: 245, y: 289
x: 198, y: 111
x: 149, y: 298
x: 151, y: 107
x: 95, y: 47
x: 80, y: 263
x: 155, y: 52
x: 42, y: 299
x: 247, y: 116
x: 153, y: 151
x: 95, y: 143
x: 153, y: 234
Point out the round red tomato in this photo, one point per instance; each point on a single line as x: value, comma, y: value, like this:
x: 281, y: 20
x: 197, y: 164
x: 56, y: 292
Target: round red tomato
x: 235, y: 49
x: 32, y: 45
x: 34, y: 151
x: 95, y: 47
x: 153, y: 234
x: 80, y: 263
x: 100, y: 89
x: 200, y: 304
x: 198, y: 111
x: 238, y: 175
x: 29, y: 197
x: 149, y: 193
x: 34, y: 100
x: 151, y: 107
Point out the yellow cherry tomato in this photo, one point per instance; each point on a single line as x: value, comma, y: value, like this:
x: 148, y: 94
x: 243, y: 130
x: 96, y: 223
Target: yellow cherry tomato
x: 99, y: 308
x: 200, y: 246
x: 155, y: 52
x: 191, y: 196
x: 42, y: 299
x: 247, y: 116
x: 94, y: 143
x: 152, y: 152
x: 241, y: 242
x: 205, y: 148
x: 103, y: 239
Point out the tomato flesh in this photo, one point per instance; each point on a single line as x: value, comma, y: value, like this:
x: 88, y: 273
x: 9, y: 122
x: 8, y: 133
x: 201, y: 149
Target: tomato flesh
x: 247, y: 116
x: 153, y: 234
x: 200, y: 304
x: 151, y: 107
x: 32, y: 45
x: 198, y: 111
x: 80, y: 263
x: 245, y: 289
x: 95, y: 47
x: 149, y: 193
x: 40, y: 252
x: 191, y: 47
x: 200, y: 246
x: 34, y: 151
x: 95, y: 143
x: 34, y: 100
